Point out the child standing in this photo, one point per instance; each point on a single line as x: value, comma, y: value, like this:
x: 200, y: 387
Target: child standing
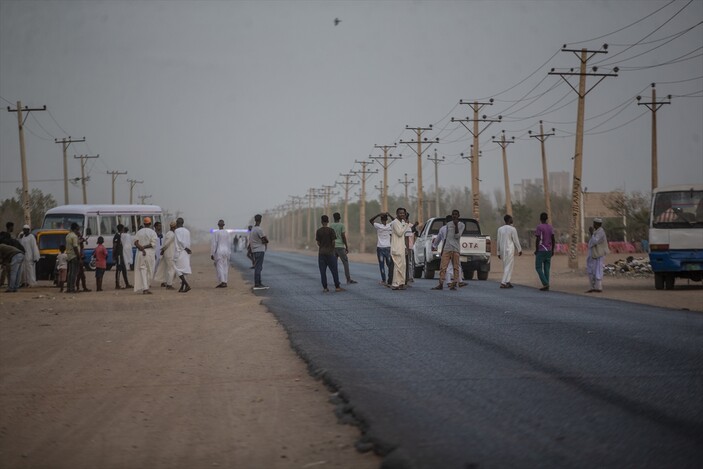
x: 61, y: 267
x: 100, y: 254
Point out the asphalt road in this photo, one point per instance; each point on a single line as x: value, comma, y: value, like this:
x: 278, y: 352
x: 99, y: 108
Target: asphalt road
x: 485, y: 377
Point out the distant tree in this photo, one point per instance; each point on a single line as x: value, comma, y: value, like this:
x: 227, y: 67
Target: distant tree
x: 11, y: 209
x: 631, y: 208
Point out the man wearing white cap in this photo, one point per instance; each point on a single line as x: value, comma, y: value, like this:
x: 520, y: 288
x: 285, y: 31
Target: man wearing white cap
x: 220, y: 252
x: 145, y: 241
x: 597, y: 249
x: 31, y: 257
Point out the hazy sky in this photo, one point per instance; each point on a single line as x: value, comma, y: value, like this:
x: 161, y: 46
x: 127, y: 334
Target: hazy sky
x: 227, y: 108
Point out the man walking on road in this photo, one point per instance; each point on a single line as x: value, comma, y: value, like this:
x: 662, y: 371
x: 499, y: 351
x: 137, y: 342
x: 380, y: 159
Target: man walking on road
x: 341, y: 248
x: 508, y: 243
x: 181, y: 256
x: 258, y: 243
x: 219, y: 252
x: 450, y: 251
x: 326, y: 258
x: 544, y: 241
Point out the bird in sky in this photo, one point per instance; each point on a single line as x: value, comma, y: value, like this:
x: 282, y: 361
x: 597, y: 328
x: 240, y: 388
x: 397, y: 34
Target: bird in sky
x: 337, y: 21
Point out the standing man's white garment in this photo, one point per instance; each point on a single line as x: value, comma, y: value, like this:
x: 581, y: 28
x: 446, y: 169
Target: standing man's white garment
x: 181, y: 257
x: 508, y: 244
x: 31, y: 257
x: 166, y: 271
x: 127, y: 246
x: 398, y: 229
x: 219, y: 252
x: 145, y: 241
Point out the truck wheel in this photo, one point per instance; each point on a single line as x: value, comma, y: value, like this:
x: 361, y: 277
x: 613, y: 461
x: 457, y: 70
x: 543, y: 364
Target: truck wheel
x: 417, y: 272
x: 468, y: 274
x: 482, y: 275
x: 428, y: 273
x: 669, y: 281
x: 659, y: 281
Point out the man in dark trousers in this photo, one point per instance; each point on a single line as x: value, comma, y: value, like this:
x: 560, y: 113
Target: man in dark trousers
x: 118, y: 259
x: 326, y: 258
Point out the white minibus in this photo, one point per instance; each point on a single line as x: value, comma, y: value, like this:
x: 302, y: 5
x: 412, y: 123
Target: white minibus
x: 99, y: 220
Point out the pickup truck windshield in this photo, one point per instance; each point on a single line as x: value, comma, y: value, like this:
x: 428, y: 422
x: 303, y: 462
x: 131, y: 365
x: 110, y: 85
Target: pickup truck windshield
x: 471, y: 227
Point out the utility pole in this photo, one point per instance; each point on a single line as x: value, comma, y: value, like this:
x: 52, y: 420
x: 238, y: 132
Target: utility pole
x: 327, y: 194
x: 542, y: 137
x: 654, y: 107
x: 114, y: 175
x: 347, y: 185
x: 406, y: 183
x: 584, y: 56
x: 476, y: 106
x: 310, y: 194
x: 142, y: 198
x: 419, y: 151
x: 506, y: 178
x: 436, y: 160
x: 65, y: 143
x: 363, y: 175
x: 23, y: 159
x: 132, y: 183
x: 385, y: 165
x: 83, y: 178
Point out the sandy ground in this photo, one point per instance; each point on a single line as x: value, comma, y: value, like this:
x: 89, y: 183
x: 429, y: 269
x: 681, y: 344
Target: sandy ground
x: 204, y: 379
x: 116, y: 379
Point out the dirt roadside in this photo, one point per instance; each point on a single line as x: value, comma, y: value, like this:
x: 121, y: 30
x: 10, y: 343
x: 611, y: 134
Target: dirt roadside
x: 116, y: 379
x: 204, y: 379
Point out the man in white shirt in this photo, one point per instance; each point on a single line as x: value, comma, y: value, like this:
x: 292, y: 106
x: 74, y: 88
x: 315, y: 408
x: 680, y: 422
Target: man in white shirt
x: 219, y: 252
x: 508, y: 243
x: 181, y: 256
x: 398, y: 245
x: 383, y: 246
x: 145, y: 241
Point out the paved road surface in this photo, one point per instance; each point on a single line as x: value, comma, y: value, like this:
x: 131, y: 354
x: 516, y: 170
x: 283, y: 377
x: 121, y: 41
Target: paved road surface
x: 485, y: 377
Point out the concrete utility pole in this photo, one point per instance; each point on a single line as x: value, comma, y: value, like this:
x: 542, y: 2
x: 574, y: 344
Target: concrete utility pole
x: 65, y: 143
x: 654, y: 107
x: 386, y: 164
x: 142, y: 198
x: 436, y: 160
x: 506, y: 178
x: 114, y: 175
x: 406, y: 183
x: 419, y: 151
x: 584, y: 56
x: 545, y: 174
x: 23, y: 159
x: 347, y: 185
x: 83, y: 178
x: 475, y: 132
x: 363, y: 175
x: 132, y: 183
x: 327, y: 194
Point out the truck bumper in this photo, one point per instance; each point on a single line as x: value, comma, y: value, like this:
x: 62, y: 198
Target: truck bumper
x: 677, y: 261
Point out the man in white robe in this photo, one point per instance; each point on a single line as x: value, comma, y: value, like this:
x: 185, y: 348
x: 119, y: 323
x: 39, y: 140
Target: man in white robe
x: 31, y: 257
x: 398, y: 228
x: 219, y: 252
x: 598, y: 247
x: 181, y: 257
x: 166, y: 271
x: 127, y: 246
x: 508, y: 243
x: 145, y: 241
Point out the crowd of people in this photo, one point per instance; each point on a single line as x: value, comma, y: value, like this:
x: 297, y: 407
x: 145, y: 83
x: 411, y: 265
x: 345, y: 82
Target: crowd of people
x: 165, y: 258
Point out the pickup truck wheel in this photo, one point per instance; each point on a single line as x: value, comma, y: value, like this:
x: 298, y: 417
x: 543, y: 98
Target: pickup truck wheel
x: 428, y: 273
x: 468, y: 274
x: 669, y: 281
x: 482, y: 275
x: 417, y: 272
x: 659, y: 281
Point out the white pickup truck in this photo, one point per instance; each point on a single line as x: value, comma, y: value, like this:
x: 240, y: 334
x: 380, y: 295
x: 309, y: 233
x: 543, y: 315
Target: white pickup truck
x: 475, y: 251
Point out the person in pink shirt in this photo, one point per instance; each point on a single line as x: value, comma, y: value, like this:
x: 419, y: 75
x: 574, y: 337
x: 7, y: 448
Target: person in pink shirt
x: 100, y: 254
